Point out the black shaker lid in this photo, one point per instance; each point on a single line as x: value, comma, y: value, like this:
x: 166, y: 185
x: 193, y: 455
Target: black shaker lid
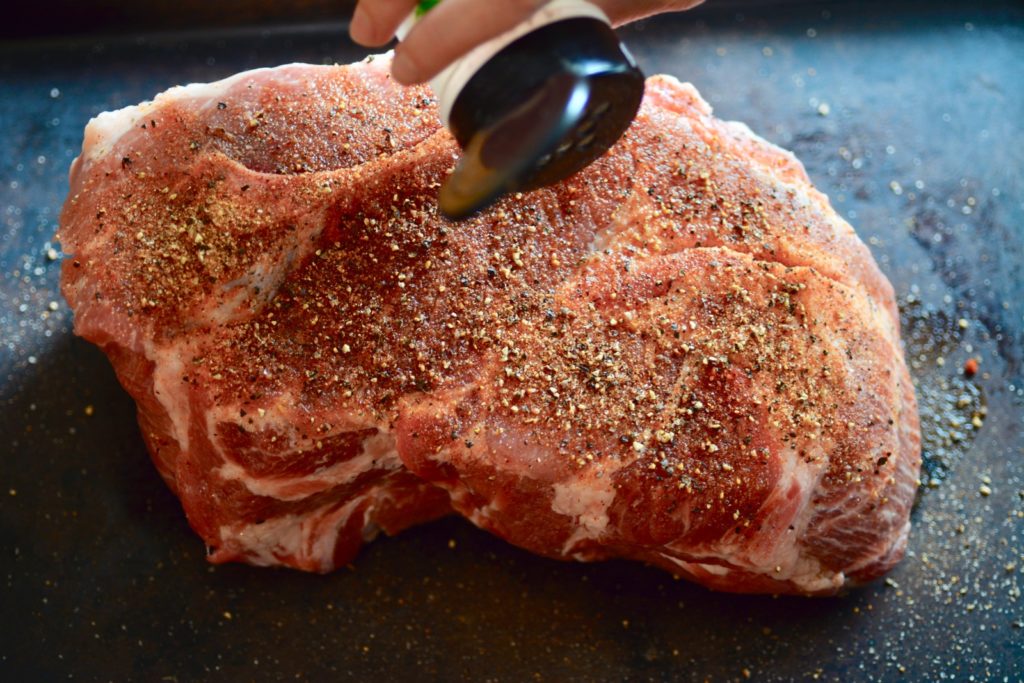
x: 539, y: 110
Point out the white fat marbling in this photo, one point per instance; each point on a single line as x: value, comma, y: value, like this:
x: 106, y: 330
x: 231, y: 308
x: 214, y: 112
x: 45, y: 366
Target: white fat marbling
x: 586, y: 500
x: 378, y: 454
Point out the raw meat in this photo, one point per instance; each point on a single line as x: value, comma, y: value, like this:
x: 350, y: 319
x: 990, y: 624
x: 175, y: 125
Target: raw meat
x: 188, y: 220
x: 681, y: 355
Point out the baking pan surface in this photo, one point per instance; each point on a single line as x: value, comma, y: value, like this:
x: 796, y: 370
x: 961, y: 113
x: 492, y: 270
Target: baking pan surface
x: 907, y: 115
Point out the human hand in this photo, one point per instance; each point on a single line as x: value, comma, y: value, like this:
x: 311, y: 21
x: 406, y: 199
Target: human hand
x: 455, y: 27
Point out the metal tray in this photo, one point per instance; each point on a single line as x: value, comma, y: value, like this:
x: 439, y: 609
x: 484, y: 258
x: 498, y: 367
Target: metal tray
x: 907, y: 115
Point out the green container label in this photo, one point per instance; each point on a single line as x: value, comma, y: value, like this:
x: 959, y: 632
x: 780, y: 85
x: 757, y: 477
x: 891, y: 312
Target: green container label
x: 425, y: 6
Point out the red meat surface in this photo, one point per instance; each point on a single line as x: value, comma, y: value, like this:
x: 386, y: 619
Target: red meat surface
x: 681, y: 355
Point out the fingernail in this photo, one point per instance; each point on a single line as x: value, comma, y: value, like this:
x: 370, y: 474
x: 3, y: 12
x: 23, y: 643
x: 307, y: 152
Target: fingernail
x: 361, y: 29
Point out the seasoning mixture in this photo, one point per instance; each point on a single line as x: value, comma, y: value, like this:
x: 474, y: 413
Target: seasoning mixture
x: 680, y: 355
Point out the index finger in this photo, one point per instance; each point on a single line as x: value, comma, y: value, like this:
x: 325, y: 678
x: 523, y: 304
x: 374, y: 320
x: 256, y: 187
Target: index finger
x: 452, y: 29
x: 375, y: 21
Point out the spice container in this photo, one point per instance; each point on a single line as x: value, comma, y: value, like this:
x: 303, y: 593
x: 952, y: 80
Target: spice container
x: 535, y: 104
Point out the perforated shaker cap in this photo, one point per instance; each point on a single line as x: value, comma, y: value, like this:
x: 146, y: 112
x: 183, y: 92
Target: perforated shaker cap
x: 536, y: 104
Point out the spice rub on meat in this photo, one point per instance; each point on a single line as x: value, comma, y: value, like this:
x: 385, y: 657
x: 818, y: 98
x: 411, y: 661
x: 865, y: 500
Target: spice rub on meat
x: 681, y: 355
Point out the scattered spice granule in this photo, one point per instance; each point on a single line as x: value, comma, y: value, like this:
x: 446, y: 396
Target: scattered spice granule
x: 89, y: 410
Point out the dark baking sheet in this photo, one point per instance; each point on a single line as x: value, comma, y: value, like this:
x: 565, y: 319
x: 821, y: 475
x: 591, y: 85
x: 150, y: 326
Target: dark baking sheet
x: 908, y: 116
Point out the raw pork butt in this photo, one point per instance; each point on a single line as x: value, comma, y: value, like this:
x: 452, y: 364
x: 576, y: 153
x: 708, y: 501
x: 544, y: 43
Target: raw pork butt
x: 681, y: 355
